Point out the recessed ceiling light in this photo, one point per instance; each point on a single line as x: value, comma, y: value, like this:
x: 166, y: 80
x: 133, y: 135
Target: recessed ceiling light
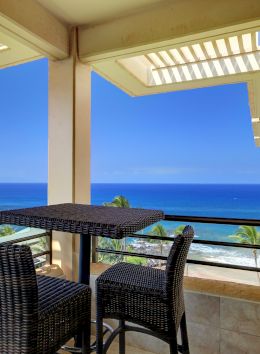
x: 3, y: 47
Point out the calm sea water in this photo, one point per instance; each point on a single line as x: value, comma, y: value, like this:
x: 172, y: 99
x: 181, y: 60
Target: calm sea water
x: 238, y: 201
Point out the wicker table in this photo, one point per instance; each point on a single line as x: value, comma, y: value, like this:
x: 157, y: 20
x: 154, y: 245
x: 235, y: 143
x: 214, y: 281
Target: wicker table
x: 86, y: 220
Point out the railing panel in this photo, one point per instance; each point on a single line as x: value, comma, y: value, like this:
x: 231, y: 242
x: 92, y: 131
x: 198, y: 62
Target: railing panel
x: 38, y: 240
x: 226, y: 251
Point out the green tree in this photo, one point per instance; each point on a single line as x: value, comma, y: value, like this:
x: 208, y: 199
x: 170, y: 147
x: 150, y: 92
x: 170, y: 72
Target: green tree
x: 109, y: 243
x: 179, y: 230
x: 119, y: 201
x: 6, y: 230
x: 136, y: 260
x: 158, y: 230
x: 248, y: 235
x: 39, y: 245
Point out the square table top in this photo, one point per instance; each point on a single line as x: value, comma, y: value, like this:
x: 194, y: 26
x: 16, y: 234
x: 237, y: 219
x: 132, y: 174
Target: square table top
x: 84, y: 219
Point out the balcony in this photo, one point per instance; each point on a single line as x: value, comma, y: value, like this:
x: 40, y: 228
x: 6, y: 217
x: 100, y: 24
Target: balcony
x: 222, y: 300
x: 143, y: 47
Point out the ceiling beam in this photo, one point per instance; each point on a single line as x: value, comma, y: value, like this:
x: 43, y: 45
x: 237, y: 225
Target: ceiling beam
x: 165, y: 25
x: 28, y: 22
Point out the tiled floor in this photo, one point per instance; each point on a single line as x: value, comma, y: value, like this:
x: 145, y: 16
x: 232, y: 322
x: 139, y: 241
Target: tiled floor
x: 129, y: 350
x: 114, y: 350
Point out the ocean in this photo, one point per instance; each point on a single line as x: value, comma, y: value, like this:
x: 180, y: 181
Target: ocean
x: 218, y: 200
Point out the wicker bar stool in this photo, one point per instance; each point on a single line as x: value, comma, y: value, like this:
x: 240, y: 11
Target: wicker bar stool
x: 38, y: 314
x: 152, y: 298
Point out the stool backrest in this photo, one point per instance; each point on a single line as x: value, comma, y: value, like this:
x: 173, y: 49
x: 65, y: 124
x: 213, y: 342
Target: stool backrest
x: 175, y: 272
x: 18, y: 300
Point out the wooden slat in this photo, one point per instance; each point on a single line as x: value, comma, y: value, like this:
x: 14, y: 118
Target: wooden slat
x: 228, y: 46
x: 205, y: 52
x: 171, y: 56
x: 215, y: 46
x: 187, y: 60
x: 181, y: 56
x: 253, y: 38
x: 240, y: 43
x: 162, y: 59
x: 151, y: 61
x: 155, y: 58
x: 193, y: 53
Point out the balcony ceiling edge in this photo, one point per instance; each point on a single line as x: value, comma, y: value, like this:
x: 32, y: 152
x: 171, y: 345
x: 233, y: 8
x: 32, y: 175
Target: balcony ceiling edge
x: 166, y: 25
x: 34, y: 27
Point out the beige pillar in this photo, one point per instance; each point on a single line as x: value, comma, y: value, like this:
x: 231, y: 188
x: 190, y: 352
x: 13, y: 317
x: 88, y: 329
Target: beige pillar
x: 69, y: 147
x: 254, y: 102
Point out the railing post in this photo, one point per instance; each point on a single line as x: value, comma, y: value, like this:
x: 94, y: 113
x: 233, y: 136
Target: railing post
x: 94, y: 258
x: 50, y: 246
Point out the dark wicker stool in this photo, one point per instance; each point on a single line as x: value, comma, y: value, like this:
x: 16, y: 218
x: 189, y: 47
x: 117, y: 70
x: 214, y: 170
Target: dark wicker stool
x: 152, y: 298
x: 38, y: 314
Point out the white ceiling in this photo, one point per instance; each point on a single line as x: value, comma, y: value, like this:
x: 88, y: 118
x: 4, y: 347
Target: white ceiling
x: 85, y: 12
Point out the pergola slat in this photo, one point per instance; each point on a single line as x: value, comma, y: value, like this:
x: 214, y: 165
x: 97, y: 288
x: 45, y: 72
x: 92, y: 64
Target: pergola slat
x: 212, y: 58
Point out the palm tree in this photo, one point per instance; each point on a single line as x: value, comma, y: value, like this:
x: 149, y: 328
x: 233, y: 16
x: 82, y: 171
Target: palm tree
x: 158, y: 230
x: 40, y: 245
x: 136, y: 260
x: 109, y: 243
x: 248, y: 235
x: 179, y: 229
x: 6, y: 230
x: 119, y: 201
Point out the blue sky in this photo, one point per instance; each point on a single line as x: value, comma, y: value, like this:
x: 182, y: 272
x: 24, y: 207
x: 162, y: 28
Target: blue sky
x: 196, y: 136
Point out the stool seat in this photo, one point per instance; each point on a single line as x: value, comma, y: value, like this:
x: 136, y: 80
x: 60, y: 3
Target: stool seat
x: 151, y: 298
x: 39, y: 314
x: 64, y: 309
x: 135, y: 278
x: 135, y: 293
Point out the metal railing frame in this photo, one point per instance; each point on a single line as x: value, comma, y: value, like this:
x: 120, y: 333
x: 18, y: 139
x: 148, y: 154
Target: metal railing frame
x: 189, y: 219
x: 48, y: 252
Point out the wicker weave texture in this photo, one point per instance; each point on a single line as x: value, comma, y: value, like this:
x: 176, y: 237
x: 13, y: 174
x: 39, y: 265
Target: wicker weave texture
x: 149, y: 297
x: 134, y: 293
x: 38, y: 313
x: 84, y: 219
x: 18, y: 300
x: 175, y: 274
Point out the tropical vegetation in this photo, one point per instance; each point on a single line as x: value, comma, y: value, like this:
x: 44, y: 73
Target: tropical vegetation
x: 158, y: 230
x: 179, y: 229
x: 117, y: 245
x: 119, y: 201
x: 121, y: 245
x: 6, y: 230
x: 248, y: 235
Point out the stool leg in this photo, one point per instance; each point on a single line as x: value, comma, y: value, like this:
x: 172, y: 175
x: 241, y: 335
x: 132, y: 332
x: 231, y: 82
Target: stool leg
x: 86, y: 340
x: 122, y: 337
x: 99, y: 323
x: 184, y: 335
x: 99, y: 334
x: 173, y: 346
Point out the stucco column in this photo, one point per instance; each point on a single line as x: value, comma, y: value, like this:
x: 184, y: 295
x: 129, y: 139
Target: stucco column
x: 254, y: 102
x: 69, y: 147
